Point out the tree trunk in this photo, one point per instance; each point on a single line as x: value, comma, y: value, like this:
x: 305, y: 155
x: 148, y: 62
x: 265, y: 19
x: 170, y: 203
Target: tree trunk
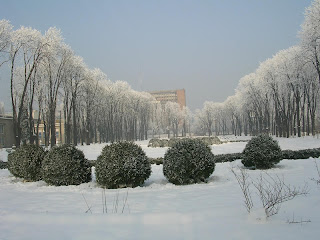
x: 74, y: 125
x: 52, y: 110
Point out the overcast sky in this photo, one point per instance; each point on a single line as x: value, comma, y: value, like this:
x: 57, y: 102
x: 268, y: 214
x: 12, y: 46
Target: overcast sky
x: 204, y: 47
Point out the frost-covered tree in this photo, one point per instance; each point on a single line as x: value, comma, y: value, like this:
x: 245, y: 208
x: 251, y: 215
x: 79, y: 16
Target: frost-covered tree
x: 187, y: 118
x: 56, y: 59
x: 233, y: 106
x: 208, y: 116
x: 26, y: 51
x: 46, y: 73
x: 1, y: 108
x: 41, y: 104
x: 173, y: 117
x: 5, y: 39
x: 310, y: 35
x: 157, y: 119
x: 71, y: 86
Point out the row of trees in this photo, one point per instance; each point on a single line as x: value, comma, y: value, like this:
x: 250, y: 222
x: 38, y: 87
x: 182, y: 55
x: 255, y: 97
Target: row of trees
x: 46, y: 75
x: 280, y: 97
x: 170, y: 118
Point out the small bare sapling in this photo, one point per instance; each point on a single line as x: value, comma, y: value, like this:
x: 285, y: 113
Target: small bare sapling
x: 244, y: 183
x: 117, y: 206
x: 272, y: 191
x: 317, y: 179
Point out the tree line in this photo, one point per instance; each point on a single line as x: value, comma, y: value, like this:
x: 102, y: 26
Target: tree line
x: 46, y: 75
x: 281, y: 97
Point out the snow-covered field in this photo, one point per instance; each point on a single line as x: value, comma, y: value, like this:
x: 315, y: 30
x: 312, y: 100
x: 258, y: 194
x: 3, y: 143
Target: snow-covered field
x: 160, y: 210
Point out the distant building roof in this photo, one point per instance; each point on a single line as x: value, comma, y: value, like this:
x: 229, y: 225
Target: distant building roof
x: 164, y: 96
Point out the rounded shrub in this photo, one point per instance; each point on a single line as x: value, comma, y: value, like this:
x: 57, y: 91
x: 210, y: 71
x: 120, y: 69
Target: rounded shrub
x: 188, y: 161
x: 261, y: 152
x: 25, y: 162
x: 122, y: 164
x: 65, y: 165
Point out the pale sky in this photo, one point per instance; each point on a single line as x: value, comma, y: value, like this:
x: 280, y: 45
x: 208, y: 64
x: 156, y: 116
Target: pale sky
x: 204, y: 47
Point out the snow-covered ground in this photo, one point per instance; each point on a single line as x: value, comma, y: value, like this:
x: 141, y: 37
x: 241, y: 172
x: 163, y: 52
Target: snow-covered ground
x: 160, y: 210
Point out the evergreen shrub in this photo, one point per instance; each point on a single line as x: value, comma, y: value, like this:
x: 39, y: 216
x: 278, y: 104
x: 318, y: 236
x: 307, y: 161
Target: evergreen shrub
x: 25, y: 162
x: 301, y: 154
x: 261, y: 152
x: 229, y: 157
x: 122, y: 164
x: 188, y: 161
x: 65, y: 165
x: 156, y: 161
x: 156, y: 142
x: 3, y: 165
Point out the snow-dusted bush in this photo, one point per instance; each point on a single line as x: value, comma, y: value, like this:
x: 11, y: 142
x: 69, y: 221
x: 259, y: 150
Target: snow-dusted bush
x: 156, y: 161
x: 301, y: 154
x: 172, y: 142
x: 188, y: 161
x: 122, y: 164
x: 211, y: 140
x: 229, y: 157
x: 156, y: 142
x: 261, y: 152
x: 65, y: 165
x: 25, y: 162
x: 3, y: 165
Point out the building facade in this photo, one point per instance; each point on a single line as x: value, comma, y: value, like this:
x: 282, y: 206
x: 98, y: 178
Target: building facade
x: 59, y: 125
x: 7, y: 138
x: 178, y: 96
x: 60, y: 132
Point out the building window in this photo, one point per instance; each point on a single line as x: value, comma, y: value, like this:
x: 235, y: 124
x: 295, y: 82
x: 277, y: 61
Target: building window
x: 1, y: 141
x: 1, y: 129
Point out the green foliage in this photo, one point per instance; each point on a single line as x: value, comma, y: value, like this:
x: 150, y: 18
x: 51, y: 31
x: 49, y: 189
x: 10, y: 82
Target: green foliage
x: 92, y: 163
x: 210, y: 140
x: 230, y: 157
x: 261, y: 152
x: 3, y: 165
x: 286, y: 154
x: 156, y: 161
x: 25, y: 162
x: 188, y: 161
x: 65, y: 165
x: 301, y: 154
x: 122, y: 164
x: 172, y: 142
x: 156, y: 142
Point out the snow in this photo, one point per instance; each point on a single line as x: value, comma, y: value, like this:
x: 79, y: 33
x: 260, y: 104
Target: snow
x: 3, y: 155
x: 161, y: 210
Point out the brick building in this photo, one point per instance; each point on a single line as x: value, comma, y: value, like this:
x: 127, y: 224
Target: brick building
x: 178, y: 96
